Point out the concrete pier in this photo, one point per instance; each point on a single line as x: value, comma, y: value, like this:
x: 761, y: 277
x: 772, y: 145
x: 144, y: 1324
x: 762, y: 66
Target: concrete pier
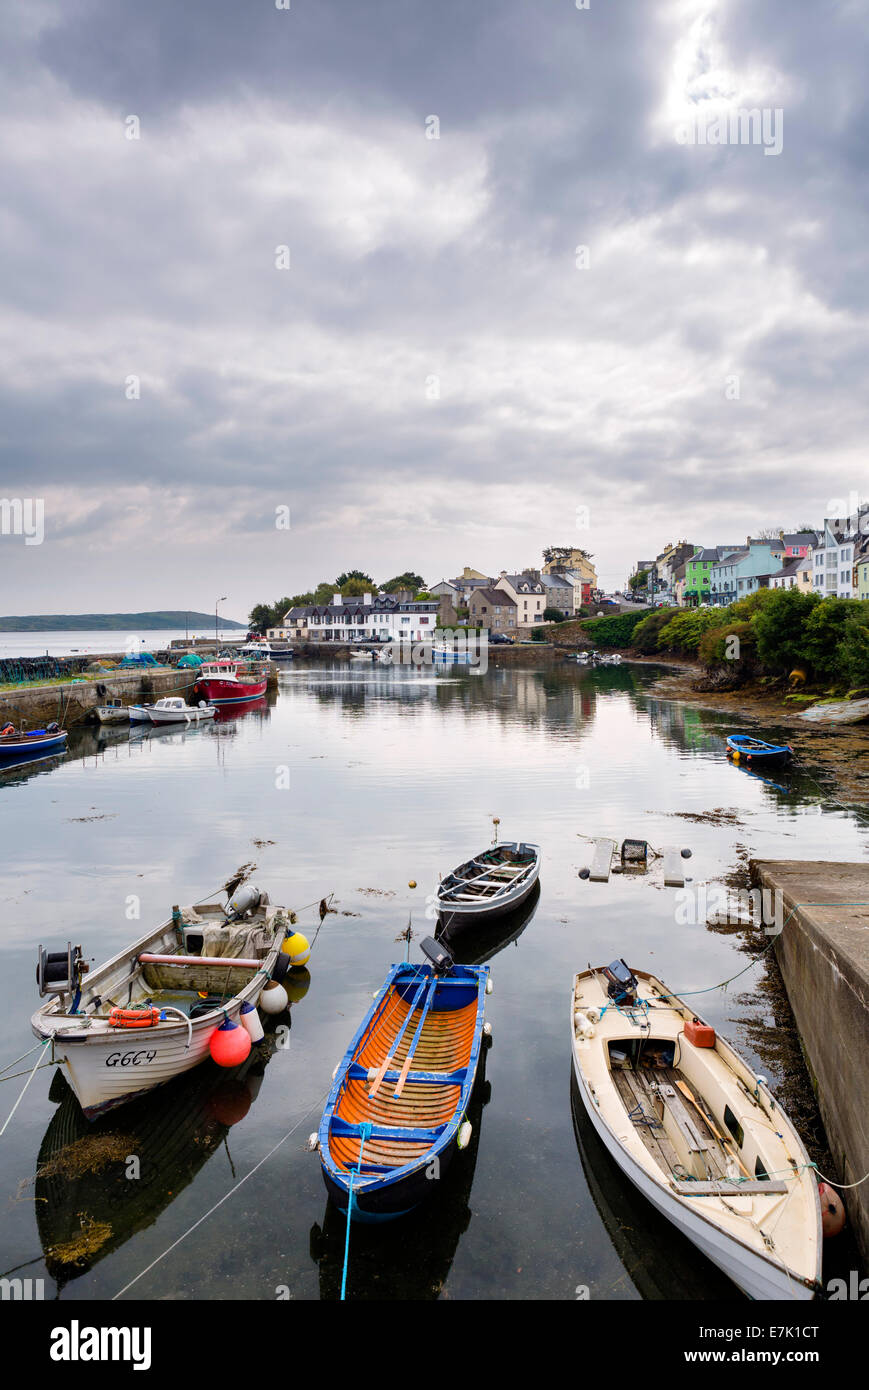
x: 823, y: 954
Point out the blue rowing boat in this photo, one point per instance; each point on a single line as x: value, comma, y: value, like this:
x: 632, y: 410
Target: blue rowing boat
x: 396, y: 1113
x: 18, y: 747
x: 755, y: 750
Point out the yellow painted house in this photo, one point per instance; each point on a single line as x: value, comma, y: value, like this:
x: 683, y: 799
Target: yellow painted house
x: 562, y: 558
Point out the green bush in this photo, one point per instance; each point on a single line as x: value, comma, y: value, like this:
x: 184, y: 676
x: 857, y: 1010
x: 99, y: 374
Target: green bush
x: 780, y: 626
x: 714, y: 648
x: 824, y: 630
x: 648, y: 629
x: 685, y: 629
x: 616, y: 631
x: 853, y: 648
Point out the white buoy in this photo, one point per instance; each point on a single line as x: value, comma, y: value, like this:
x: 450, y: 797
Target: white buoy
x: 489, y: 985
x: 487, y: 1030
x: 312, y: 1143
x: 250, y: 1020
x: 463, y: 1138
x: 274, y: 998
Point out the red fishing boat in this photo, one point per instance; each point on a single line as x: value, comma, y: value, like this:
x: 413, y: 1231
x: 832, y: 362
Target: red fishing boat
x: 226, y: 682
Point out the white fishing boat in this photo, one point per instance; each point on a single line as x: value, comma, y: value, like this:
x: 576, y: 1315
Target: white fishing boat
x: 495, y: 882
x: 695, y: 1130
x: 112, y: 712
x: 173, y: 709
x: 359, y: 654
x: 149, y: 1013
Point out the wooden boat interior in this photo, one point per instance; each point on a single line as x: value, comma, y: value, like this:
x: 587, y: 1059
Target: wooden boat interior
x: 406, y: 1074
x: 497, y: 869
x: 675, y: 1122
x: 193, y: 980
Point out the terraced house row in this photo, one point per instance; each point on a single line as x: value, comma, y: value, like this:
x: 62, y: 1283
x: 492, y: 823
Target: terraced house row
x: 832, y: 561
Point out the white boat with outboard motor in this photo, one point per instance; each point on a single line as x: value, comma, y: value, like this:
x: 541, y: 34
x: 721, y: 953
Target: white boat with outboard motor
x: 152, y: 1011
x: 693, y: 1128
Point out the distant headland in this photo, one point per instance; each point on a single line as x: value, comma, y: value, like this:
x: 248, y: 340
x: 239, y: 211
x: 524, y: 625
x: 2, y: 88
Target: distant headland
x: 116, y: 622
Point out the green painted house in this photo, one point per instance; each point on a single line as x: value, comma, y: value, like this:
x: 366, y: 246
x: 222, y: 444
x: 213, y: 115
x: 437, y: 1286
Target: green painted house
x: 698, y: 572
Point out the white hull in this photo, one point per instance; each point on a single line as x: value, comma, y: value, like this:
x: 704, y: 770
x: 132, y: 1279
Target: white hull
x: 112, y: 714
x: 761, y: 1273
x: 190, y: 715
x: 757, y: 1277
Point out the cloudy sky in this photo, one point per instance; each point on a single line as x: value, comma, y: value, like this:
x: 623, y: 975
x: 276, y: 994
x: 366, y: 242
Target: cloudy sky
x: 515, y: 288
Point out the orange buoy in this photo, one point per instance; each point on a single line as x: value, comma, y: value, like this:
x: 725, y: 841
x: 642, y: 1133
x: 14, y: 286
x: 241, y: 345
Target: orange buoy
x: 229, y: 1044
x: 832, y: 1210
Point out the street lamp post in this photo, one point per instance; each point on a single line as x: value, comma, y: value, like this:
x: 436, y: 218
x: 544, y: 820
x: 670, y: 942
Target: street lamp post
x: 222, y: 599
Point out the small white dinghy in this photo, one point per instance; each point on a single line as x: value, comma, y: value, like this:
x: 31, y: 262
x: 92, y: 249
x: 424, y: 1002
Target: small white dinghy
x: 696, y: 1131
x: 495, y: 882
x: 148, y: 1014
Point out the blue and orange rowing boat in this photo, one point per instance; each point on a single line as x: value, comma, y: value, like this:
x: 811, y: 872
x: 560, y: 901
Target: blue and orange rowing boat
x: 755, y: 750
x: 396, y: 1113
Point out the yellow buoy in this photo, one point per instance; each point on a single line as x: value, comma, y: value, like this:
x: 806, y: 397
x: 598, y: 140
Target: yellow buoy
x: 412, y: 883
x: 297, y: 947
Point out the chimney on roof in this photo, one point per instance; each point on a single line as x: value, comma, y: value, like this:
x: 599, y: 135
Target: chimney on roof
x: 503, y: 574
x: 366, y: 598
x: 337, y: 599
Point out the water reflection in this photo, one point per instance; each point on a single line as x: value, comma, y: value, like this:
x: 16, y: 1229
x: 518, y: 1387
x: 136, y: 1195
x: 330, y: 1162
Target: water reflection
x: 90, y: 1201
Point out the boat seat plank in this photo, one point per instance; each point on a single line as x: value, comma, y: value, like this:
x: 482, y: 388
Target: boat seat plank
x: 355, y: 1072
x: 341, y: 1129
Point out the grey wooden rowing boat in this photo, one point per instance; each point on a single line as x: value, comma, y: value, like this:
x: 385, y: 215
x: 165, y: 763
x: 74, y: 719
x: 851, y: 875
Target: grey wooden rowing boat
x: 493, y: 883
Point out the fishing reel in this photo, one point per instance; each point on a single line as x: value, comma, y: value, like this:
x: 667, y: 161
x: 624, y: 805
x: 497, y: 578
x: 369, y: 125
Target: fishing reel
x: 60, y: 972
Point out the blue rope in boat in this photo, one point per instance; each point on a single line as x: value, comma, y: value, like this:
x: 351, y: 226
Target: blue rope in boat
x: 365, y: 1131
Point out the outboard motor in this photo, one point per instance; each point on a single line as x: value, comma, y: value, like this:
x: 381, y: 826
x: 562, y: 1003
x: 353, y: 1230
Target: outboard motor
x: 244, y: 900
x: 60, y: 972
x: 442, y: 961
x: 621, y: 983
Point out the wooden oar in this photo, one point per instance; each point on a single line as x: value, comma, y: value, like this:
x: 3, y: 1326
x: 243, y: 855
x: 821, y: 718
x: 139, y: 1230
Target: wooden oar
x: 707, y: 1118
x: 378, y: 1080
x: 429, y: 1000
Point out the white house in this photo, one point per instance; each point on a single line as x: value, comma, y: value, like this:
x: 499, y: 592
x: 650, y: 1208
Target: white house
x: 833, y: 557
x: 369, y: 618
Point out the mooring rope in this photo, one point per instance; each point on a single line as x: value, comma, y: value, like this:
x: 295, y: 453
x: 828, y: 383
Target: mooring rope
x: 36, y: 1066
x: 225, y: 1198
x: 365, y: 1131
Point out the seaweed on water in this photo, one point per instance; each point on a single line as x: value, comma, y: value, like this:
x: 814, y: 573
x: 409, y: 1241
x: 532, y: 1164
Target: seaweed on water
x: 85, y: 1245
x: 90, y: 1154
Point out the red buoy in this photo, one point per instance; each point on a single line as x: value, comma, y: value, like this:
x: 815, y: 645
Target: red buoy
x: 229, y: 1044
x: 832, y: 1210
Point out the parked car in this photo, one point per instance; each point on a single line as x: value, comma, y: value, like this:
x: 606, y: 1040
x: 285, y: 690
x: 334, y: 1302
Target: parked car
x: 498, y: 639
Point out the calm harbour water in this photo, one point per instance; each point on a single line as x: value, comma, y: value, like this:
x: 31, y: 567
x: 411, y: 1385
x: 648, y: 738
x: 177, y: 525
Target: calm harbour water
x: 393, y: 775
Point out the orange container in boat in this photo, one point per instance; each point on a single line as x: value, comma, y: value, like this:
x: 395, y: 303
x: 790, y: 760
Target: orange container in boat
x: 700, y: 1034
